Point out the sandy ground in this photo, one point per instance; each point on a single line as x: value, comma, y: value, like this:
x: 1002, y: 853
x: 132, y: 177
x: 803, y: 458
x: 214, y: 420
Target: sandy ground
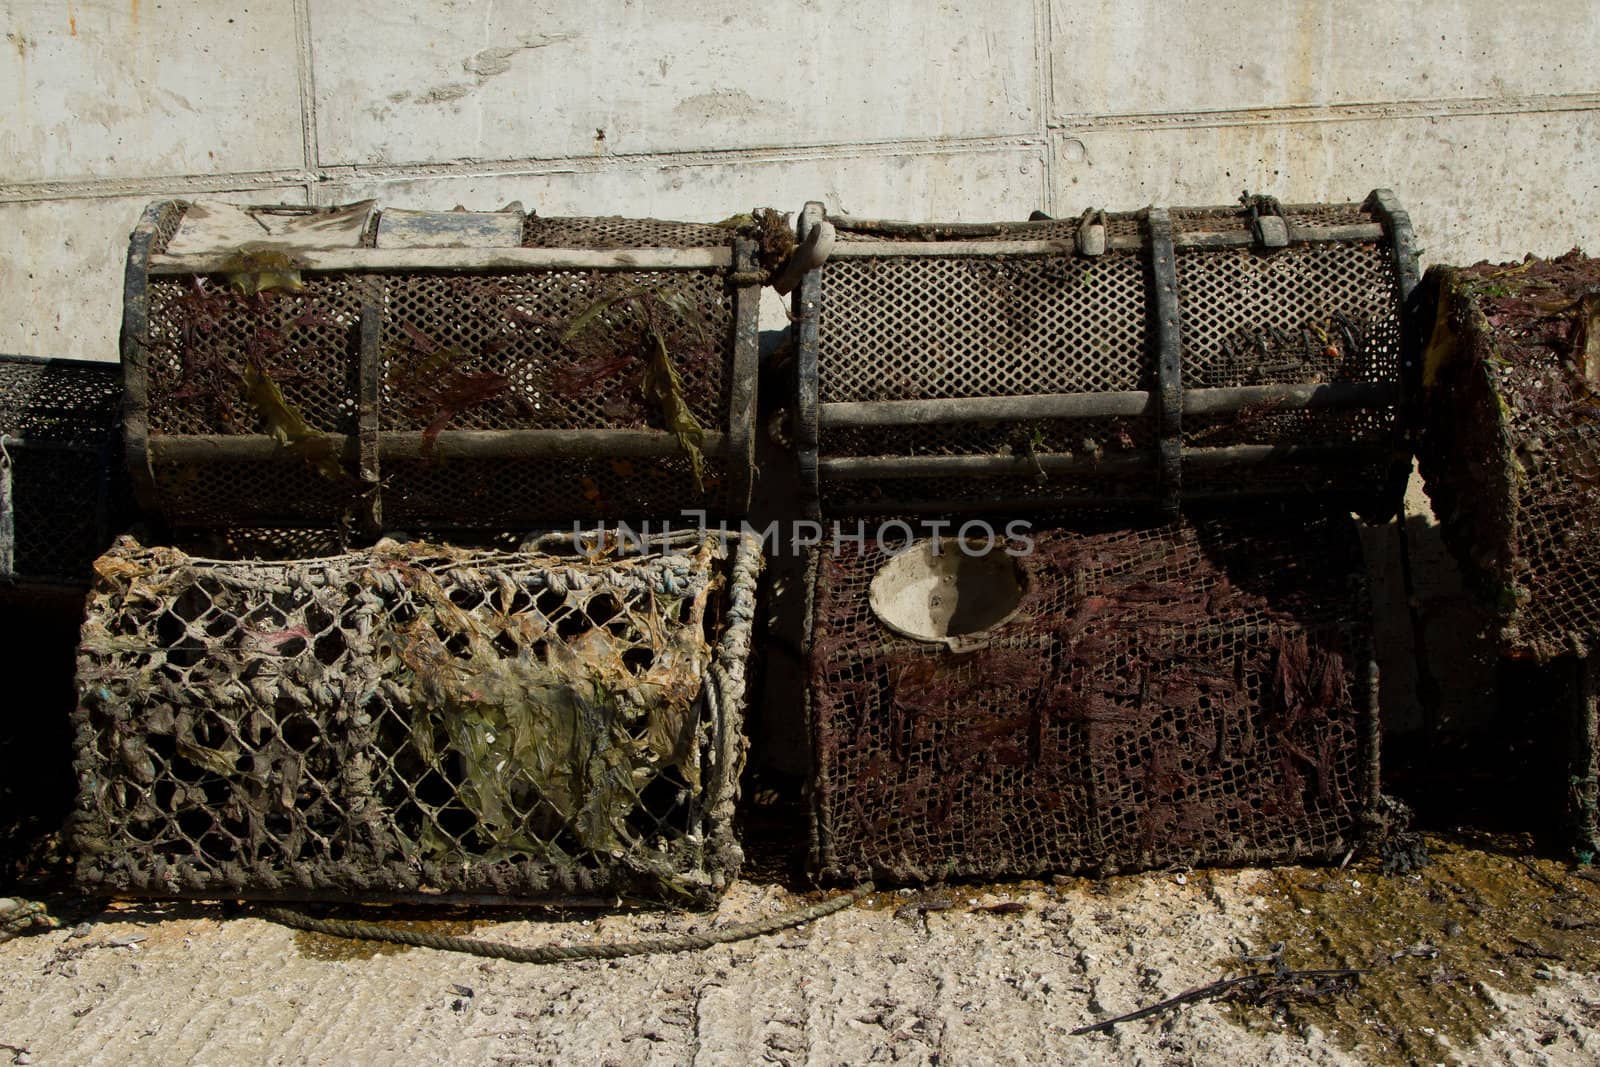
x: 938, y: 977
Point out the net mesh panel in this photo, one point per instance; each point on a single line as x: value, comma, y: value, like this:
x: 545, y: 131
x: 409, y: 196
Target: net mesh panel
x: 986, y: 325
x: 459, y: 351
x: 60, y: 419
x: 167, y: 223
x: 613, y: 232
x: 1510, y: 447
x: 474, y: 327
x: 414, y: 719
x: 497, y: 493
x: 910, y: 328
x: 1188, y: 694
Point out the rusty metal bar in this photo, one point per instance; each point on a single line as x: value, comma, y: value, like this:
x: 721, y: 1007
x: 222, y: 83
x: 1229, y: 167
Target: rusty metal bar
x: 1166, y: 335
x: 1130, y: 403
x: 474, y: 260
x: 450, y: 444
x: 745, y: 370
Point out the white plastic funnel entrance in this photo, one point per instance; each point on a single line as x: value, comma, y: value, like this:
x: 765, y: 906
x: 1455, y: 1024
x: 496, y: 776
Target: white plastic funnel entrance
x: 954, y: 596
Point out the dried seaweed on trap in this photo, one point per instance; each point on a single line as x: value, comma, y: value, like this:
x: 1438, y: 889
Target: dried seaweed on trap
x: 587, y: 730
x: 414, y: 719
x: 260, y: 268
x: 658, y: 309
x: 287, y: 426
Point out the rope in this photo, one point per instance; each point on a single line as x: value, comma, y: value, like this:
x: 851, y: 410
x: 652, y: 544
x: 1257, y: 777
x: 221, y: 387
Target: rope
x: 361, y: 931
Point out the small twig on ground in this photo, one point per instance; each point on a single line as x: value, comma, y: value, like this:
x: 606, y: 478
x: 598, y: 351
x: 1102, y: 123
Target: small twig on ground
x: 1271, y: 985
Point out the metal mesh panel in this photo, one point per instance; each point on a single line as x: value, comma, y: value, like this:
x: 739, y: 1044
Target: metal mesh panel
x: 1310, y: 313
x: 221, y: 494
x: 498, y: 493
x: 412, y: 721
x: 202, y: 334
x: 611, y: 232
x: 59, y: 419
x: 1510, y: 446
x: 466, y: 328
x: 915, y: 328
x: 170, y: 219
x: 490, y: 354
x: 1189, y: 694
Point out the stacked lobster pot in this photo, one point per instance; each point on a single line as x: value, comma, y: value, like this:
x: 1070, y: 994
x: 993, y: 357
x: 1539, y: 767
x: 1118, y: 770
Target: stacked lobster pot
x: 1111, y: 611
x: 60, y: 472
x: 291, y: 698
x: 1510, y: 451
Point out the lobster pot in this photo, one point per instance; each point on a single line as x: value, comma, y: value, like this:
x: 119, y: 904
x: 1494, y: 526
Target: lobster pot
x: 1510, y: 443
x: 350, y: 367
x: 1115, y: 360
x: 1103, y: 700
x: 415, y: 722
x: 60, y: 471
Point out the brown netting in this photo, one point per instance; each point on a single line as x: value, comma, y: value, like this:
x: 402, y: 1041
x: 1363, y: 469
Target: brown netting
x: 1510, y: 443
x: 1189, y: 694
x: 415, y: 720
x: 60, y: 463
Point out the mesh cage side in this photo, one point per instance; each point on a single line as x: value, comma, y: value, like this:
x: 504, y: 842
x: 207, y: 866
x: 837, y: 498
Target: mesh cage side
x: 464, y: 352
x: 1510, y: 447
x: 222, y: 494
x: 900, y: 328
x: 1326, y: 312
x: 1192, y: 694
x: 513, y: 493
x: 59, y: 419
x: 411, y: 720
x: 203, y: 334
x: 167, y: 226
x: 59, y: 401
x: 497, y: 351
x: 613, y: 232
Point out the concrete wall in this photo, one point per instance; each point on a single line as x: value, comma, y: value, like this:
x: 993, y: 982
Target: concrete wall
x: 1483, y: 115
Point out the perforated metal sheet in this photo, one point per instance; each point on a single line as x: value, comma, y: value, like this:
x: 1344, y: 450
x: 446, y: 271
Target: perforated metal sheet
x: 202, y: 333
x: 1191, y: 694
x: 59, y: 421
x: 511, y: 325
x: 911, y: 329
x: 414, y: 721
x: 615, y: 231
